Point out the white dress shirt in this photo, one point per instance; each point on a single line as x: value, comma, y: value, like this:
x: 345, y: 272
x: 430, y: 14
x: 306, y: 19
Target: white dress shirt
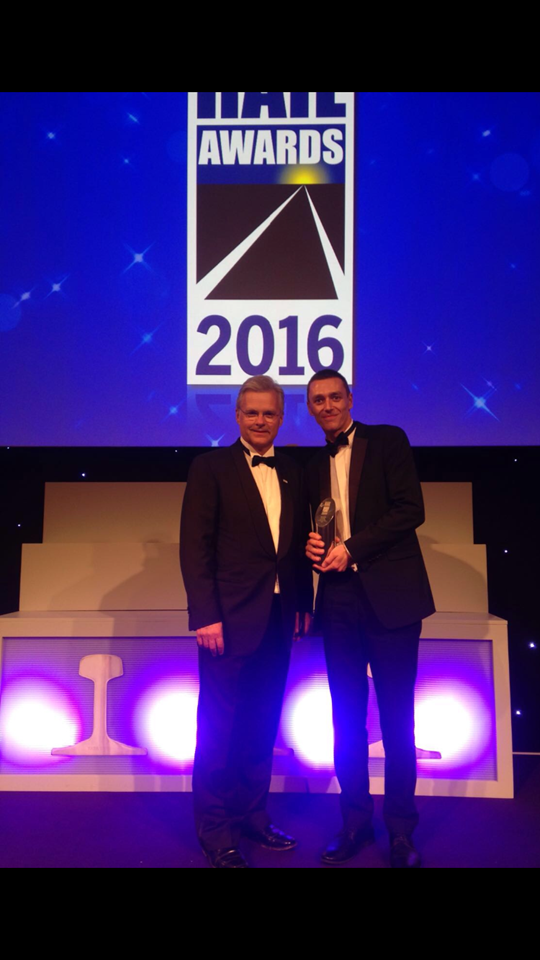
x: 340, y: 468
x: 267, y: 481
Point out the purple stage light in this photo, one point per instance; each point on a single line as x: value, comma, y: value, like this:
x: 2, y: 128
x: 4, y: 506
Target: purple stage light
x: 154, y: 706
x: 166, y: 721
x: 454, y: 720
x: 307, y: 723
x: 35, y: 716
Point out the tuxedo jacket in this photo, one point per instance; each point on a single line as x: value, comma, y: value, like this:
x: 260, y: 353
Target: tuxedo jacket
x: 227, y: 554
x: 385, y: 507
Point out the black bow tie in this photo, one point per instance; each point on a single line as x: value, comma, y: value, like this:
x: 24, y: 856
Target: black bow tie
x: 341, y: 441
x: 268, y: 461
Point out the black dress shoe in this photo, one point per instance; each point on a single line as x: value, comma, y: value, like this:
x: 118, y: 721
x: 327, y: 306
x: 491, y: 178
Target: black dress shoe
x: 347, y: 844
x: 226, y: 857
x: 271, y: 837
x: 403, y: 853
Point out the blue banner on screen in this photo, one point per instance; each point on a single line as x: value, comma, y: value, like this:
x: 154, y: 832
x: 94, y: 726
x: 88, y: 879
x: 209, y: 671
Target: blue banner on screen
x: 157, y: 249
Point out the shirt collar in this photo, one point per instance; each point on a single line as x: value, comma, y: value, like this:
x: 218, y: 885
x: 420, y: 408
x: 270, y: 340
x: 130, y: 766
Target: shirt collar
x: 255, y: 453
x: 350, y: 437
x: 342, y: 451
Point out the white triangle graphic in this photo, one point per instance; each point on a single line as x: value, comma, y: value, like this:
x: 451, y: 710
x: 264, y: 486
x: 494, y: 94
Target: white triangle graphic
x: 208, y: 283
x: 217, y: 273
x: 334, y: 266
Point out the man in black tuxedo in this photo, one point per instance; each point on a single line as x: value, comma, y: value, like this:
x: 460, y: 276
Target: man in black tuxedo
x: 373, y: 593
x: 244, y: 525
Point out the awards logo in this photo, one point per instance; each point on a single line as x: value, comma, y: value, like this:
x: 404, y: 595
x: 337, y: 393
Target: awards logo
x: 270, y: 236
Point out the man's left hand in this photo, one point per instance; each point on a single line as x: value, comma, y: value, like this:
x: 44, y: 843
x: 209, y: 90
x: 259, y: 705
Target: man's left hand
x: 337, y: 559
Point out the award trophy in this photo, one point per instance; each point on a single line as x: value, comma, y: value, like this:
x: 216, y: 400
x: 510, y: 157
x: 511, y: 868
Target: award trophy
x: 325, y: 523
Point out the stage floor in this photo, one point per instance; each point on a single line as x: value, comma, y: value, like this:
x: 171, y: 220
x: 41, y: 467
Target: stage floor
x: 137, y: 830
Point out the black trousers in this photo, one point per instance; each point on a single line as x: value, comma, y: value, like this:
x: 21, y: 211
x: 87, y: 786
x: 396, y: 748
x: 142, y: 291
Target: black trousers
x: 237, y: 721
x: 353, y: 637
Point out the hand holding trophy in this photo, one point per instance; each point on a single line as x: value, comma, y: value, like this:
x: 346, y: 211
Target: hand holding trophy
x: 324, y: 547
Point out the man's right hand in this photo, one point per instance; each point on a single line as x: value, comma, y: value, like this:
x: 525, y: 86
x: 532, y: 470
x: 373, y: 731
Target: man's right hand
x: 211, y: 637
x: 315, y: 547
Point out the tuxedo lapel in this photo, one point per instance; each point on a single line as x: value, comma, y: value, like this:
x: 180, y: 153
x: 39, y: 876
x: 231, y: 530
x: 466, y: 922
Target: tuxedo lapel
x: 253, y: 498
x: 357, y: 462
x: 286, y: 518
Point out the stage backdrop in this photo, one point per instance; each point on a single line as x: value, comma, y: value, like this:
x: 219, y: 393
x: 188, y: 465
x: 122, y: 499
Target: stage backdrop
x: 159, y: 248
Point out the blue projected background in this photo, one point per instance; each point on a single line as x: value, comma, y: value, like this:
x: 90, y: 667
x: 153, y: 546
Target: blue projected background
x: 93, y: 288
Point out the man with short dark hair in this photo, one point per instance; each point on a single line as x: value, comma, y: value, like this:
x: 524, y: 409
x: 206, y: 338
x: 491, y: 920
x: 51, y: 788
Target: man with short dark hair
x: 373, y: 594
x: 244, y: 524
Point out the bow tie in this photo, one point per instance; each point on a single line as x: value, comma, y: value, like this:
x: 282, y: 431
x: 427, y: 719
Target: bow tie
x: 268, y: 461
x: 341, y: 441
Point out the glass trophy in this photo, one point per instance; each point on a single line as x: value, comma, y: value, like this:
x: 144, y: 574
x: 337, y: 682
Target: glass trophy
x: 325, y: 523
